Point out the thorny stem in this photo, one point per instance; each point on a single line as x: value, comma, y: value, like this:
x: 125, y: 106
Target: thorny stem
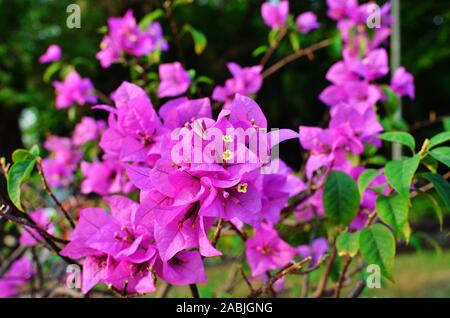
x: 52, y: 196
x: 296, y: 55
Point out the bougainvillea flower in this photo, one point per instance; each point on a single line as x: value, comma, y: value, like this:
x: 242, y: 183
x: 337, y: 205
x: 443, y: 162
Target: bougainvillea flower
x: 109, y: 52
x: 52, y: 54
x: 402, y: 83
x: 134, y: 127
x: 277, y: 187
x: 181, y: 111
x: 18, y: 274
x: 338, y: 9
x: 174, y: 78
x: 113, y: 239
x: 105, y: 177
x: 245, y: 81
x: 373, y: 66
x: 316, y: 250
x: 327, y: 147
x: 306, y: 22
x: 125, y: 36
x: 57, y: 173
x: 310, y: 208
x: 74, y: 90
x: 63, y: 150
x: 275, y: 13
x: 184, y: 268
x: 31, y: 237
x: 87, y: 130
x: 267, y: 251
x: 357, y: 127
x: 359, y: 94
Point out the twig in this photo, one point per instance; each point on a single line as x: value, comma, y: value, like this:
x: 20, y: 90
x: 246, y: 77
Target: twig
x: 305, y: 286
x: 283, y: 272
x: 16, y: 254
x: 162, y: 293
x: 38, y: 267
x: 103, y: 97
x: 242, y: 234
x: 194, y: 291
x: 246, y: 280
x: 52, y: 196
x: 296, y: 55
x: 427, y: 187
x: 429, y: 122
x: 323, y: 280
x: 359, y: 288
x: 341, y: 279
x: 48, y: 238
x: 273, y: 46
x: 217, y: 232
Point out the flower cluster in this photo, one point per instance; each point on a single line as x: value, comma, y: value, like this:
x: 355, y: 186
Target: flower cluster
x: 74, y: 90
x: 125, y: 36
x: 352, y: 98
x: 181, y: 196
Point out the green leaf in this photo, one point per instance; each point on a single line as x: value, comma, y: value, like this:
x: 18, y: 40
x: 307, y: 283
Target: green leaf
x: 430, y: 163
x: 441, y: 154
x: 439, y: 139
x: 35, y: 151
x: 377, y: 246
x: 25, y: 154
x: 437, y: 208
x: 441, y: 185
x: 260, y: 50
x: 347, y: 244
x: 177, y: 3
x: 393, y: 210
x: 149, y: 18
x: 295, y: 42
x: 366, y: 178
x: 377, y: 160
x: 198, y: 37
x: 205, y: 79
x: 20, y: 155
x: 446, y: 124
x: 399, y: 173
x: 51, y: 70
x: 17, y: 175
x: 400, y: 137
x: 273, y: 34
x: 341, y: 198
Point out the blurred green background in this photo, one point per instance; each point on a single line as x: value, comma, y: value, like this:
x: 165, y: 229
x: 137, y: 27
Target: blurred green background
x: 234, y: 28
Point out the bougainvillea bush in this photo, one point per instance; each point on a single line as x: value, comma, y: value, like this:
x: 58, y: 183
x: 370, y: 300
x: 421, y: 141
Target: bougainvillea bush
x: 175, y: 181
